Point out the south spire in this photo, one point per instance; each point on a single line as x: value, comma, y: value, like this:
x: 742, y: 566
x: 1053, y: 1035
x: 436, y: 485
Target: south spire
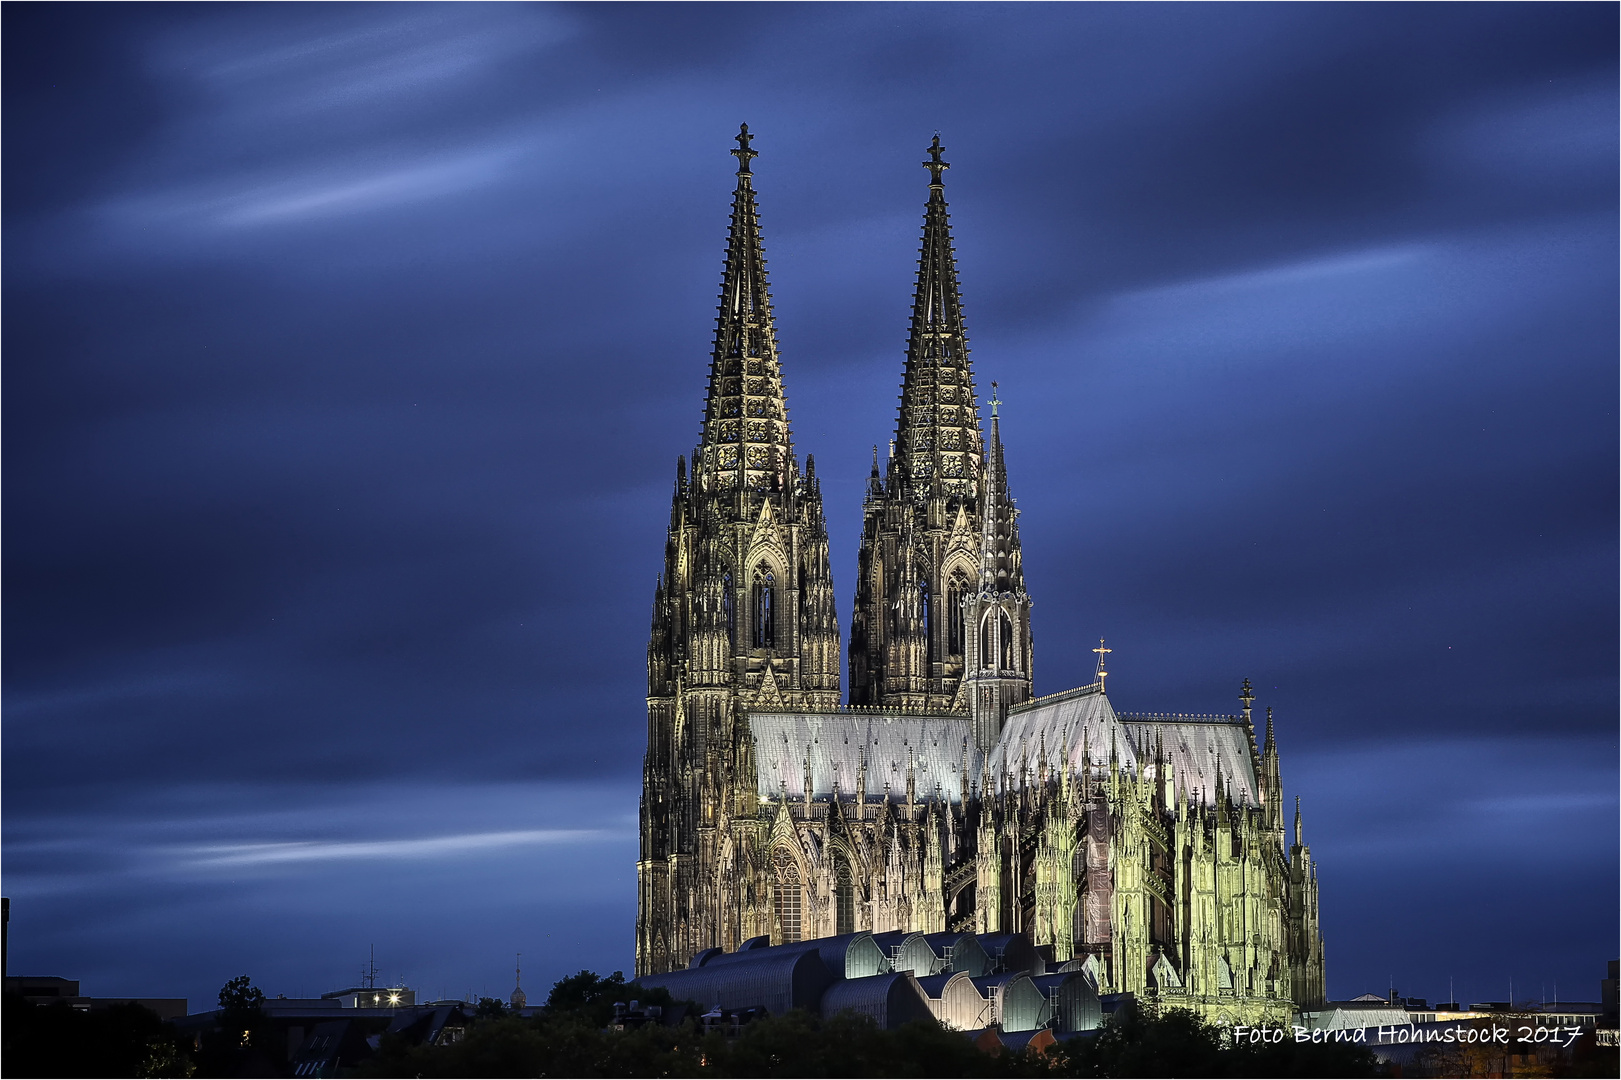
x: 918, y: 562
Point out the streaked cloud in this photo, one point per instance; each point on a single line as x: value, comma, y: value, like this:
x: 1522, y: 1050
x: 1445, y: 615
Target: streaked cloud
x: 420, y: 848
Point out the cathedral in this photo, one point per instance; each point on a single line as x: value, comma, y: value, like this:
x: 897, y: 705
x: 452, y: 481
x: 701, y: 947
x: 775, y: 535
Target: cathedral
x: 1151, y: 850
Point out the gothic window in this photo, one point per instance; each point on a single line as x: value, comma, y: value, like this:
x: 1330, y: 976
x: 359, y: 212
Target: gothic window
x: 987, y: 641
x: 925, y: 601
x: 844, y: 896
x: 1006, y: 628
x: 788, y: 898
x: 955, y: 594
x: 765, y: 613
x: 726, y: 605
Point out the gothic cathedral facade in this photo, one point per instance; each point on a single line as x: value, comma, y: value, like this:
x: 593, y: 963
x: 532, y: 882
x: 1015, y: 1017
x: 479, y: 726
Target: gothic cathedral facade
x: 1150, y: 849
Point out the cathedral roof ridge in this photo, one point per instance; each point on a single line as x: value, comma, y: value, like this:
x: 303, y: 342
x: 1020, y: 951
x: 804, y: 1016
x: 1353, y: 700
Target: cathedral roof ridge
x: 1062, y: 695
x: 1179, y: 718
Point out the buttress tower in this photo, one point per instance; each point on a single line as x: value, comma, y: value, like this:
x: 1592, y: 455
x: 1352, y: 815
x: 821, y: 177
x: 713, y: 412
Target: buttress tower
x: 743, y: 617
x: 919, y: 562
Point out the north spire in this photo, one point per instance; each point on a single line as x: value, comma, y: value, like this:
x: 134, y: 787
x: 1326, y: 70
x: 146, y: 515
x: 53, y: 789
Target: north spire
x: 746, y: 442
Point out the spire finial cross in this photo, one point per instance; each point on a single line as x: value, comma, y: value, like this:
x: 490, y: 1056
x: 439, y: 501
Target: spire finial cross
x: 1247, y: 695
x: 995, y: 401
x: 744, y: 153
x: 936, y: 165
x: 1102, y: 652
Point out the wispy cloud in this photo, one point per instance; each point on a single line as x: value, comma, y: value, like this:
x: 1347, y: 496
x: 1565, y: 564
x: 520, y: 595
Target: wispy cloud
x: 428, y: 847
x: 338, y: 66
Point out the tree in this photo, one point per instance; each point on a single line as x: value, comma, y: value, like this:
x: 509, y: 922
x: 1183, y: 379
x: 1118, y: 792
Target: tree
x: 1179, y: 1043
x: 122, y: 1040
x: 243, y: 1037
x: 591, y: 995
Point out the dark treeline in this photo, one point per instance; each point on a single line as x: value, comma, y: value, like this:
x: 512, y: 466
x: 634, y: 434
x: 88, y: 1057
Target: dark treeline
x: 569, y: 1038
x: 122, y: 1040
x: 572, y: 1036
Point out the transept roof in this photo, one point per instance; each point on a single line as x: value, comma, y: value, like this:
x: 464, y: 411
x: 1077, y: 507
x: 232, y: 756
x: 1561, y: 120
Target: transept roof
x: 1064, y: 726
x: 1198, y: 749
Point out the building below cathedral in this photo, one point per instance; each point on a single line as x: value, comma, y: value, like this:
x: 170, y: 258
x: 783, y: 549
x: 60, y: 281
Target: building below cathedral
x: 1151, y: 850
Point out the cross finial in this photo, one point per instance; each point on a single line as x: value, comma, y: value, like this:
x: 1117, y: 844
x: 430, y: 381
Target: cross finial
x: 936, y: 165
x: 1102, y: 652
x: 1247, y: 696
x: 995, y: 401
x: 743, y: 153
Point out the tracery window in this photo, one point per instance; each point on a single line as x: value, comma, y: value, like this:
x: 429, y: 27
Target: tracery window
x: 844, y: 902
x: 987, y: 642
x: 955, y: 594
x: 925, y: 601
x: 726, y: 605
x: 1007, y: 642
x: 765, y: 607
x: 788, y: 898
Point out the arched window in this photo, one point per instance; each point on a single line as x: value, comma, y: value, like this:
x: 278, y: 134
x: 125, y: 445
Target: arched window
x: 987, y: 642
x: 844, y: 902
x: 726, y: 604
x: 765, y: 608
x: 787, y: 898
x: 956, y: 593
x: 1006, y: 628
x: 926, y: 604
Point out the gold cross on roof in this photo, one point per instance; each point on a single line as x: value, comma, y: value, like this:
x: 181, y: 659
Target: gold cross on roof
x: 1102, y: 652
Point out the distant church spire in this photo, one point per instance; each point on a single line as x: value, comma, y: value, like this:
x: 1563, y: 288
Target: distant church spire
x: 519, y: 999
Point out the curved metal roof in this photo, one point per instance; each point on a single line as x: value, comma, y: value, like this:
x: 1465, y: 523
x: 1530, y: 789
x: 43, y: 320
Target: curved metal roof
x: 1020, y: 1004
x: 1012, y: 953
x: 960, y: 952
x: 846, y: 956
x: 1073, y: 999
x: 772, y: 980
x: 956, y: 1001
x: 891, y: 1000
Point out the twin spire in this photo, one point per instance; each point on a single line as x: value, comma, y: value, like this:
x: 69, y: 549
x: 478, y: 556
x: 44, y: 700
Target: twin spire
x: 937, y: 441
x: 746, y: 442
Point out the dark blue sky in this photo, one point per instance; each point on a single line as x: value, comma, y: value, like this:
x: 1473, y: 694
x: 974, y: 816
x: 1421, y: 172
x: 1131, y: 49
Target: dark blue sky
x: 348, y: 352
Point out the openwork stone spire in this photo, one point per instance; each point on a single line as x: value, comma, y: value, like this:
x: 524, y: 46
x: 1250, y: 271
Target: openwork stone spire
x: 937, y: 442
x: 745, y: 442
x: 743, y: 618
x: 920, y: 523
x: 1000, y: 558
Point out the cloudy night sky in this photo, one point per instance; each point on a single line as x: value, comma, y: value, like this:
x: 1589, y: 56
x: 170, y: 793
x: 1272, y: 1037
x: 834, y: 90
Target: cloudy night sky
x: 349, y: 350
